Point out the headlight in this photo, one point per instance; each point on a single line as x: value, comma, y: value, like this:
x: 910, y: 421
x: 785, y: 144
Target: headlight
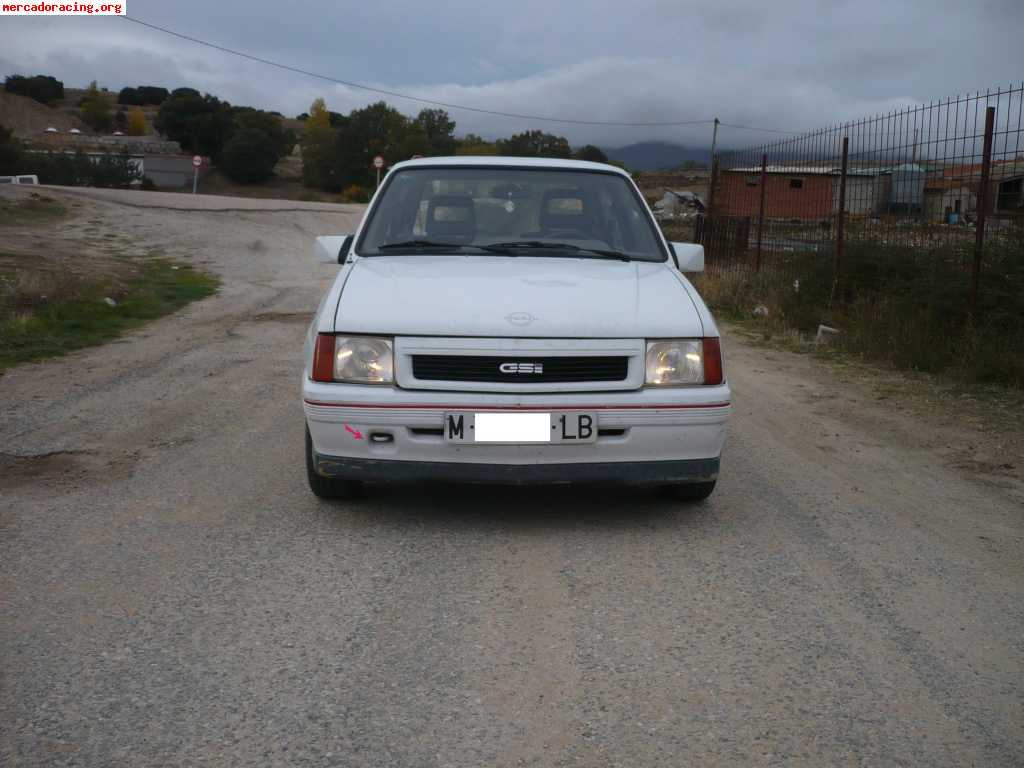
x: 675, y: 362
x: 363, y: 360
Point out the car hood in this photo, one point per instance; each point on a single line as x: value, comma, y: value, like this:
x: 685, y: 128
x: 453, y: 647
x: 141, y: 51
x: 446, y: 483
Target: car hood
x: 521, y: 296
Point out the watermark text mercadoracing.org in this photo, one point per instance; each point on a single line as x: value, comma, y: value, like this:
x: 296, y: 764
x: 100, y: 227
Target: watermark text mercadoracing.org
x: 63, y: 9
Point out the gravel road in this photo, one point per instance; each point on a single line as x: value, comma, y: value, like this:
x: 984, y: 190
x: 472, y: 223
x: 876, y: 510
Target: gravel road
x: 172, y: 594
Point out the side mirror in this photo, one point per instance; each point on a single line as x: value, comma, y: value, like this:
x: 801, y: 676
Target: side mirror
x: 332, y: 249
x: 689, y: 257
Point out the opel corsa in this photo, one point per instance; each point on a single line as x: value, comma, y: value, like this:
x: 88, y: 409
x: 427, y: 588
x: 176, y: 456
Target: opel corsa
x: 512, y: 320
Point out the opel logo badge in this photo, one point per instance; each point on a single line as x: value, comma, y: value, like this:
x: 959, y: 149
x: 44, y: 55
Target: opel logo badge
x: 520, y: 318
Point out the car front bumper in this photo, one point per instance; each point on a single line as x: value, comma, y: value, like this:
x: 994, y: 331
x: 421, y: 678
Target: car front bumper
x: 648, y: 435
x: 633, y: 472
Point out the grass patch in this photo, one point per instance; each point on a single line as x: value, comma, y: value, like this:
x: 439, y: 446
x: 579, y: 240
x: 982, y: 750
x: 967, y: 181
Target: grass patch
x: 42, y: 316
x: 33, y: 209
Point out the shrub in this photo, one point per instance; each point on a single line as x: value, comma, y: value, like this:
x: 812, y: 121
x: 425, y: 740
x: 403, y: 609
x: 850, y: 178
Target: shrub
x: 898, y: 305
x: 355, y: 194
x: 249, y: 156
x: 70, y: 169
x: 78, y: 170
x: 284, y: 139
x: 10, y: 153
x: 136, y: 122
x: 115, y: 171
x: 96, y: 109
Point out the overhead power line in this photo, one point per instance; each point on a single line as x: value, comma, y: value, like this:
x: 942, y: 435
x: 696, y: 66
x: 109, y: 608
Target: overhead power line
x: 420, y: 99
x: 762, y: 130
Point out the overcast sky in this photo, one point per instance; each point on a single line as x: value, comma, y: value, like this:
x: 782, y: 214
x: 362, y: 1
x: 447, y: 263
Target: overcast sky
x: 784, y: 64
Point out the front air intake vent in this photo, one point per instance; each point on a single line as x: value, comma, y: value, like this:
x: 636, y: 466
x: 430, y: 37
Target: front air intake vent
x: 510, y: 369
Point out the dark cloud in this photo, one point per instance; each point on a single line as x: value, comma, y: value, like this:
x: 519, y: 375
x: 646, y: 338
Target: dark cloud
x: 788, y: 64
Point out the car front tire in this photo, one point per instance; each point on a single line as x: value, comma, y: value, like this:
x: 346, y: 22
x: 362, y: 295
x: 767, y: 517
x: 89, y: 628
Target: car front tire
x: 328, y: 487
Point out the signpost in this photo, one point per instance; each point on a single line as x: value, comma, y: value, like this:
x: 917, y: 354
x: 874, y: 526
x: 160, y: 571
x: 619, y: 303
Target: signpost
x: 378, y: 163
x: 196, y: 162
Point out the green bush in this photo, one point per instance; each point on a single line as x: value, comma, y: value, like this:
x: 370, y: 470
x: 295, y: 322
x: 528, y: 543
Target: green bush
x: 78, y: 170
x: 11, y: 156
x: 249, y: 156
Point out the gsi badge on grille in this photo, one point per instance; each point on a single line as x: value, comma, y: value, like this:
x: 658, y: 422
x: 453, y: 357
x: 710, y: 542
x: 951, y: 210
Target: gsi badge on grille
x: 521, y: 367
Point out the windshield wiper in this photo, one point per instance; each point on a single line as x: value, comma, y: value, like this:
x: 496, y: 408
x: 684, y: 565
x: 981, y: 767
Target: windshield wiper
x: 424, y: 244
x: 507, y: 249
x: 541, y: 245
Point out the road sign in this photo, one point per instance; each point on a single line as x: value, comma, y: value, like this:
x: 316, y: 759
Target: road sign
x: 378, y: 162
x: 196, y: 161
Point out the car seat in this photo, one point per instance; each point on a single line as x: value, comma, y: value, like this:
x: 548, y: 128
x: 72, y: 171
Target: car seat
x: 451, y: 218
x: 567, y: 213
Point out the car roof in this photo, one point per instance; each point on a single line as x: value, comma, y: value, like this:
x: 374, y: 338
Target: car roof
x: 490, y: 161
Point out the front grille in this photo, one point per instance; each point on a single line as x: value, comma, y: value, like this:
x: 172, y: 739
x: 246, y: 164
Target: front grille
x: 518, y: 370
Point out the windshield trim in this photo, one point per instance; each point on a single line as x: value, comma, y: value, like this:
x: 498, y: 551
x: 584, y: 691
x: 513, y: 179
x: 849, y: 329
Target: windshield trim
x: 656, y: 233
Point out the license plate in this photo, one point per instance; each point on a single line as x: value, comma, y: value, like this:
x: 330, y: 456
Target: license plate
x: 498, y: 428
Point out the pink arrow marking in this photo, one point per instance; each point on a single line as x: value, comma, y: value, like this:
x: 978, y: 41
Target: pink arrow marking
x: 354, y: 432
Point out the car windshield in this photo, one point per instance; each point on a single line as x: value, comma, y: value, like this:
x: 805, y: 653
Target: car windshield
x: 510, y: 211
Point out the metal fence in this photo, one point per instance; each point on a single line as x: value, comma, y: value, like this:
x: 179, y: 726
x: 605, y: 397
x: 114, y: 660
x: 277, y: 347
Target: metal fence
x: 943, y: 180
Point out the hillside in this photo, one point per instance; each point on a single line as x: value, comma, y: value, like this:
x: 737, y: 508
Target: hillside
x: 656, y: 155
x: 28, y: 118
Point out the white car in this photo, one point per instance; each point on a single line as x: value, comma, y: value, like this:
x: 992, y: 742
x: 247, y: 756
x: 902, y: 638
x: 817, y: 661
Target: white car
x: 513, y: 321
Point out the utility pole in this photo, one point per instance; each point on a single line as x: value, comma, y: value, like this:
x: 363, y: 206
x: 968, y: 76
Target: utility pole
x: 714, y: 142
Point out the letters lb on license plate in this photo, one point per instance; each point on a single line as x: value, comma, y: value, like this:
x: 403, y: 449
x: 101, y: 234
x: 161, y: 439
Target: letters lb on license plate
x: 519, y: 428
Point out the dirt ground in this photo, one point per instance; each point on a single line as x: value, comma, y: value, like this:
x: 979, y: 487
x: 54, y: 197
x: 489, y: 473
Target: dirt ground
x: 29, y: 119
x: 172, y: 594
x: 50, y: 245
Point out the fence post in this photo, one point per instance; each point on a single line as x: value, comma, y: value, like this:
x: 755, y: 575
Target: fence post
x: 760, y: 215
x: 707, y: 223
x: 712, y: 182
x: 840, y: 219
x: 979, y: 234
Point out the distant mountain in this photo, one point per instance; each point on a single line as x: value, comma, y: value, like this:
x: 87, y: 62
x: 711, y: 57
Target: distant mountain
x: 656, y: 155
